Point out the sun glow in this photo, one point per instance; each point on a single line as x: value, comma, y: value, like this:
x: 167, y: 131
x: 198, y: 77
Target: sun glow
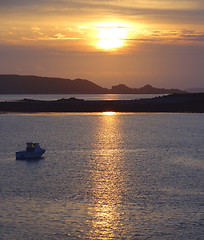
x: 111, y: 35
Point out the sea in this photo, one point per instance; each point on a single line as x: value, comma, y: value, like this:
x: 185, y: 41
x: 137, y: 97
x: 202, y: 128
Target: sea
x: 90, y: 97
x: 103, y: 176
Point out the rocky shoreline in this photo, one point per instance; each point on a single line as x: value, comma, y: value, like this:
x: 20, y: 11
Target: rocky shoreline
x: 190, y: 102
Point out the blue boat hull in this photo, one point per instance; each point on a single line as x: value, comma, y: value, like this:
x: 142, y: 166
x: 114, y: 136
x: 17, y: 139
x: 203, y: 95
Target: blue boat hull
x: 23, y: 155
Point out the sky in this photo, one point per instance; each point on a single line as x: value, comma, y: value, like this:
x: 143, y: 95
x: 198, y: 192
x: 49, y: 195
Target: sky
x: 109, y: 42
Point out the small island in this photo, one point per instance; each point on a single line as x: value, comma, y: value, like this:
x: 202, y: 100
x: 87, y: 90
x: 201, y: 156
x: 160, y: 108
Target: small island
x: 188, y: 103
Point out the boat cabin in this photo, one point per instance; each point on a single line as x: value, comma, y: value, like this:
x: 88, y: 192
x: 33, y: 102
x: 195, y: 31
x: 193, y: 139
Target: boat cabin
x: 31, y: 146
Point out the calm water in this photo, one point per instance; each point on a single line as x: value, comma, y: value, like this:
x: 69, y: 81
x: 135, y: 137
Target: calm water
x: 122, y: 176
x: 79, y: 96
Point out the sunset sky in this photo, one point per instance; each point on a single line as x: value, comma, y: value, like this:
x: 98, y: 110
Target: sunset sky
x: 135, y: 42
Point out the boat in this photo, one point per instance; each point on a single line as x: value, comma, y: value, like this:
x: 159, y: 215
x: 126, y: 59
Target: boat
x: 33, y: 151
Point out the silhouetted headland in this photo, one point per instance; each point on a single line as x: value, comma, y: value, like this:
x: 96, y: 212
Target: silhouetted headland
x: 190, y: 102
x: 18, y: 84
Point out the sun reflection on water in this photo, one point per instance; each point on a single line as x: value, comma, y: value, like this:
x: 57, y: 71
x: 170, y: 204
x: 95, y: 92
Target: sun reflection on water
x: 108, y: 113
x: 107, y: 181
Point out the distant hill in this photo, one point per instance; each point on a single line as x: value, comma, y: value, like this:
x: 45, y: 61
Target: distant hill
x: 18, y: 84
x: 147, y: 89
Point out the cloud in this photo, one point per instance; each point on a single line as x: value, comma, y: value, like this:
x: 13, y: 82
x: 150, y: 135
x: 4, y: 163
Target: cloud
x: 171, y: 36
x: 169, y: 10
x: 67, y: 14
x: 196, y: 37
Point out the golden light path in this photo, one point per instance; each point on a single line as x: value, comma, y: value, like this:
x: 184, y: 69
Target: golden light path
x: 107, y: 180
x: 111, y: 35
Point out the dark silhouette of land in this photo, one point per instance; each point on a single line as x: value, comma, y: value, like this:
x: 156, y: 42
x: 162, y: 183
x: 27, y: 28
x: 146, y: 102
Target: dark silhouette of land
x: 18, y: 84
x: 190, y: 102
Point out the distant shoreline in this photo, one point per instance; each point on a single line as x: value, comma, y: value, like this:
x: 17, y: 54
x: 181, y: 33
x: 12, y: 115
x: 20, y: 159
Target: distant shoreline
x: 189, y: 102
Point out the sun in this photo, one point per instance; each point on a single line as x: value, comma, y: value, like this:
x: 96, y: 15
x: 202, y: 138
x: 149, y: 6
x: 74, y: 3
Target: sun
x: 111, y: 35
